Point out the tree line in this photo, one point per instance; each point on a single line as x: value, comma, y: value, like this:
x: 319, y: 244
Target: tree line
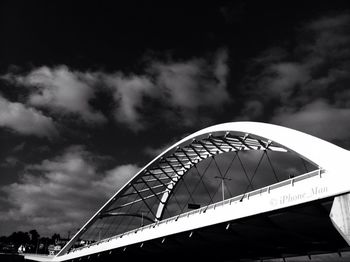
x: 29, y: 242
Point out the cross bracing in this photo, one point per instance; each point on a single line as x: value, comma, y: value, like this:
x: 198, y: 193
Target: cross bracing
x: 158, y: 180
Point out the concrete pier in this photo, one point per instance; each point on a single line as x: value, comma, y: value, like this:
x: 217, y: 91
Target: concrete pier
x: 340, y: 215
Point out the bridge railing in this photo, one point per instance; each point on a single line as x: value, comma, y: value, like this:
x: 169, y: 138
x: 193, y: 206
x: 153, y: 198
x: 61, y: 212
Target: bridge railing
x: 229, y: 201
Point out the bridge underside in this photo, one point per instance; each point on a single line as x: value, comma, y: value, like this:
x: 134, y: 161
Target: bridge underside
x: 300, y: 230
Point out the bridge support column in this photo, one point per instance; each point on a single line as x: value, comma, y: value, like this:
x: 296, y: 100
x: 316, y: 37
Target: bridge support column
x: 340, y: 215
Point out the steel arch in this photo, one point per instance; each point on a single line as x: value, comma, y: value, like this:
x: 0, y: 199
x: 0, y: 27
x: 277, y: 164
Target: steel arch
x: 168, y: 167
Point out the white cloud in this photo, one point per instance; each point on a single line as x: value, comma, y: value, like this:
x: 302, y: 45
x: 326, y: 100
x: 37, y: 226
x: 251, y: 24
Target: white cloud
x: 129, y: 92
x: 181, y: 89
x: 116, y: 177
x: 59, y: 194
x: 63, y: 90
x: 191, y: 89
x: 318, y: 118
x: 25, y: 120
x: 195, y: 83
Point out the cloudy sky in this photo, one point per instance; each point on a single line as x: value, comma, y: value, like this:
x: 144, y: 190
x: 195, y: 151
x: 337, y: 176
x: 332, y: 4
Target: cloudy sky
x: 90, y: 92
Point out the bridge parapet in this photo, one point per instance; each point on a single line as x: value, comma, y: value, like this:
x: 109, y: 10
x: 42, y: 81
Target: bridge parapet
x: 148, y: 231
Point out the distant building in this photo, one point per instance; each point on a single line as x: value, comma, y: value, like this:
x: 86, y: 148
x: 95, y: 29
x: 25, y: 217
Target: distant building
x: 54, y: 249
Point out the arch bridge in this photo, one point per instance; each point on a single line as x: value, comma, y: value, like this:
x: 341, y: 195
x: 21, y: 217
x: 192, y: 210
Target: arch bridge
x: 240, y: 190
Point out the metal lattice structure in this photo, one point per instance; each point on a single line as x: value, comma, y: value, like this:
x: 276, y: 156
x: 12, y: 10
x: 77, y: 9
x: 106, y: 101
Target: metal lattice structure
x: 159, y: 179
x: 152, y: 187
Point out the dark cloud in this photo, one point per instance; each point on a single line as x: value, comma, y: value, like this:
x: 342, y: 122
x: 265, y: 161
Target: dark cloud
x: 306, y: 87
x: 58, y: 194
x: 10, y: 161
x: 19, y: 147
x: 153, y: 151
x: 319, y: 118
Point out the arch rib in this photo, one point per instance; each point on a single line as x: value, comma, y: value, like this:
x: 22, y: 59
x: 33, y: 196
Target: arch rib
x: 246, y: 136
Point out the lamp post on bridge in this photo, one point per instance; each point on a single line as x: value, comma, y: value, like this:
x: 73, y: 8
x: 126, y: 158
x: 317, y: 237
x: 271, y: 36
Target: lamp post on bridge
x: 223, y: 185
x: 143, y: 214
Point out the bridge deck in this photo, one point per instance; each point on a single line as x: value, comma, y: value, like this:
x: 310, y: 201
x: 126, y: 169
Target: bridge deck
x: 300, y: 230
x: 230, y: 201
x: 278, y: 220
